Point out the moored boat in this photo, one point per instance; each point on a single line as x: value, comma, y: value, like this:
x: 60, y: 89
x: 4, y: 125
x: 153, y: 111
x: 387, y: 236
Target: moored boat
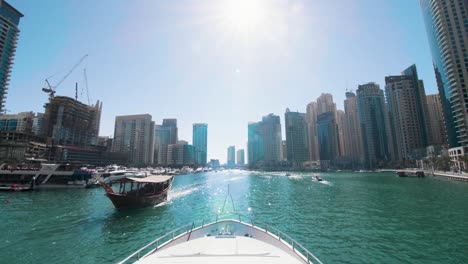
x: 42, y: 176
x: 403, y: 173
x: 223, y: 241
x: 135, y: 192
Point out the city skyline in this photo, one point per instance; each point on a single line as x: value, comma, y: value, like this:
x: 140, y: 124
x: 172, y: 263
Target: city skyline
x: 164, y: 86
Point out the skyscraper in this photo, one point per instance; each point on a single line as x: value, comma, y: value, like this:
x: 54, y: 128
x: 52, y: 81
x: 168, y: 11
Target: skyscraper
x: 264, y: 141
x: 327, y: 132
x: 171, y: 124
x: 9, y: 21
x: 240, y: 157
x: 352, y: 136
x: 372, y: 117
x: 38, y: 124
x: 325, y: 104
x: 134, y: 134
x: 200, y: 141
x: 271, y: 133
x: 340, y: 122
x: 436, y: 120
x: 162, y: 139
x: 231, y: 156
x: 297, y: 137
x: 255, y: 143
x: 447, y: 27
x: 407, y: 107
x: 180, y: 154
x: 311, y: 117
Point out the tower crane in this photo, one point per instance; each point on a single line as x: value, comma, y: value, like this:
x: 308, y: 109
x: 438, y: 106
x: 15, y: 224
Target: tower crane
x: 51, y: 89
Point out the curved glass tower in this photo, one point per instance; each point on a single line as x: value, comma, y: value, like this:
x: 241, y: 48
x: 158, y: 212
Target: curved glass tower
x: 447, y: 29
x: 9, y: 21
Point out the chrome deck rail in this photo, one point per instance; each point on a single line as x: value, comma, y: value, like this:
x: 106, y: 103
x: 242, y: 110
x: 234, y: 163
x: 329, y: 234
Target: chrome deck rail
x: 296, y: 246
x: 188, y: 228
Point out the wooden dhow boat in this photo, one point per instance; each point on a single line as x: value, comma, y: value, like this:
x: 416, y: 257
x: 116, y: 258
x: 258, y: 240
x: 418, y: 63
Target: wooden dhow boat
x: 132, y: 192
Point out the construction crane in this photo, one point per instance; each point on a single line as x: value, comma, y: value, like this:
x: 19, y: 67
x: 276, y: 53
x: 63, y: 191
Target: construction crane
x: 86, y: 84
x: 51, y: 89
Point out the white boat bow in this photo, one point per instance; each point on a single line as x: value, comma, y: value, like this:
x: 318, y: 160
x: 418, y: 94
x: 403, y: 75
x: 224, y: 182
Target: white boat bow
x: 223, y: 241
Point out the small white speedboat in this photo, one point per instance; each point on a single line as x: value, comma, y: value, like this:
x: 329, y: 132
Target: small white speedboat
x: 316, y: 177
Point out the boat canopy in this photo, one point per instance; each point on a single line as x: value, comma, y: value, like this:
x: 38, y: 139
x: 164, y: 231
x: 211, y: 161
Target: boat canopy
x: 150, y: 179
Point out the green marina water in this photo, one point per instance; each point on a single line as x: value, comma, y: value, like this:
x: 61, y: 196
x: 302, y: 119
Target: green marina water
x: 349, y: 218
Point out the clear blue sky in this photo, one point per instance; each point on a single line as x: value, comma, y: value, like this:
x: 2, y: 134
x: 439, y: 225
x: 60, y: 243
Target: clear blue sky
x: 221, y: 62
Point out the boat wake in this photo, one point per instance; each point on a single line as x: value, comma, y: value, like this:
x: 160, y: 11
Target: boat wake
x: 325, y: 182
x: 295, y: 177
x: 176, y: 194
x: 238, y: 178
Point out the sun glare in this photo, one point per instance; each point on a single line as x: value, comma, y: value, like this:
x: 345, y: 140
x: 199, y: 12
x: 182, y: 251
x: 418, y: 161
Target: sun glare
x: 245, y: 14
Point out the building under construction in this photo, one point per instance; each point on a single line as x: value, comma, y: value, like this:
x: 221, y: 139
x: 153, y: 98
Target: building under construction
x: 70, y: 122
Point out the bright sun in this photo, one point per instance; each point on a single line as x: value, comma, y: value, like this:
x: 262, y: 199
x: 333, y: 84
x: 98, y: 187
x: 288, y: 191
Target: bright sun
x: 245, y: 14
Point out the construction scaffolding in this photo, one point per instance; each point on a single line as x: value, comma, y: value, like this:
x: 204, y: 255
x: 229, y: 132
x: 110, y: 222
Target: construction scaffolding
x: 70, y: 122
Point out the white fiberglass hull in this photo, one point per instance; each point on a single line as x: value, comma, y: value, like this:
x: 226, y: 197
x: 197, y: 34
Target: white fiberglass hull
x: 225, y: 241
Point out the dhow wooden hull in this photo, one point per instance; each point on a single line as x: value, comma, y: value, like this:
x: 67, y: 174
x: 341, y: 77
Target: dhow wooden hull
x: 126, y: 202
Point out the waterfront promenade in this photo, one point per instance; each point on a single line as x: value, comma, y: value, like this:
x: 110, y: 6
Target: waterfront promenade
x: 443, y: 174
x: 450, y: 175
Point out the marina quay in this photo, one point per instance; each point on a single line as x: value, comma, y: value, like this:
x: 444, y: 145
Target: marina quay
x: 233, y: 131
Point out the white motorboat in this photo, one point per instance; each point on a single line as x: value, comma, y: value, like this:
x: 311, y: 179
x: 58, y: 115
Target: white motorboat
x: 316, y: 177
x: 186, y: 170
x: 116, y: 175
x: 223, y: 241
x: 42, y: 176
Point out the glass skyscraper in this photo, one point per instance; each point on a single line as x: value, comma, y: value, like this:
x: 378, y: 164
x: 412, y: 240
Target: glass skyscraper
x: 162, y: 138
x: 327, y: 133
x: 200, y: 141
x: 297, y: 137
x: 231, y: 156
x: 447, y: 29
x: 255, y: 144
x: 171, y: 124
x: 271, y: 132
x: 9, y: 21
x: 264, y: 141
x: 240, y: 157
x: 372, y: 117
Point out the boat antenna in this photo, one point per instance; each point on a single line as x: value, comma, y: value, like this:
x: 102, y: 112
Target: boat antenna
x: 225, y: 200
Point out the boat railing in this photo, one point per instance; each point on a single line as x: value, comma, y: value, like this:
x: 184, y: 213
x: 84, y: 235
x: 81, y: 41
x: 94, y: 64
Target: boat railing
x: 295, y: 246
x: 188, y: 228
x: 158, y: 242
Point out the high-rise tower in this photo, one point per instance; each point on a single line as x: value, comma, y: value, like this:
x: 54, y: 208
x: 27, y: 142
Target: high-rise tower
x: 171, y: 124
x: 352, y: 136
x: 436, y: 120
x: 311, y: 118
x: 231, y: 156
x: 264, y: 141
x: 372, y: 117
x: 9, y: 21
x: 200, y: 141
x: 407, y: 108
x: 134, y: 134
x: 447, y: 27
x: 297, y: 137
